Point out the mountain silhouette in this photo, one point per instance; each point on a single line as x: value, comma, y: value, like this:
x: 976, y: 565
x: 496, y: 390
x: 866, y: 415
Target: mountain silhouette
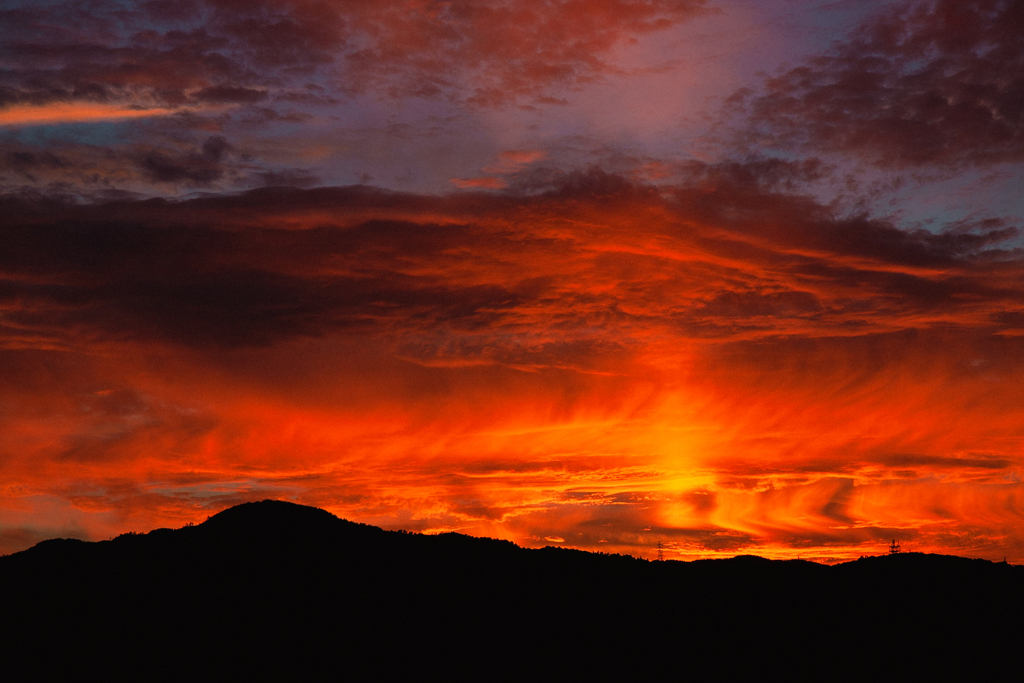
x: 274, y: 590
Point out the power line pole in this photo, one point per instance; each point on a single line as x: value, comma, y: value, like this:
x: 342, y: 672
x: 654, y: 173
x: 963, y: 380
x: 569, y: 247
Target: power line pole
x: 661, y: 552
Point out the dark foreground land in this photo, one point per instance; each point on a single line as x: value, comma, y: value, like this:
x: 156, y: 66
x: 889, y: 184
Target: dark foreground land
x: 274, y: 590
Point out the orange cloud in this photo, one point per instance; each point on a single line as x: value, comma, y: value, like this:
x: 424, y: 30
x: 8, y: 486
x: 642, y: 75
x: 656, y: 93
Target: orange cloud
x: 714, y: 366
x: 72, y: 112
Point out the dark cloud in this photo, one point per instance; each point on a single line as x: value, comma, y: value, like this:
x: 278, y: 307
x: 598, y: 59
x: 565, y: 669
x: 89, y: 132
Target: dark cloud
x: 288, y: 178
x: 224, y: 51
x: 933, y: 82
x: 945, y: 463
x: 28, y: 163
x: 95, y: 172
x: 200, y: 167
x: 756, y: 172
x: 460, y: 279
x: 226, y: 93
x: 264, y: 115
x: 199, y: 284
x: 143, y: 53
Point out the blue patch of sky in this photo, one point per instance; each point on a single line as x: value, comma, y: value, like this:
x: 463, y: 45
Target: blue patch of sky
x: 99, y: 133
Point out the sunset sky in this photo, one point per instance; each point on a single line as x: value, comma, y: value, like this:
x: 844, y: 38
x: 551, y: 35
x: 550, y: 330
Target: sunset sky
x: 736, y: 277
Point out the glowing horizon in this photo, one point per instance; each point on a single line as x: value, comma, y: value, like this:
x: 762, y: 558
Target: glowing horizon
x: 593, y: 281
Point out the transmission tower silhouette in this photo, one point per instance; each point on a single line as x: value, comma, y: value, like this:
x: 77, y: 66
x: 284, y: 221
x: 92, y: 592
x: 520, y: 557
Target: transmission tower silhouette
x: 661, y: 552
x: 894, y: 547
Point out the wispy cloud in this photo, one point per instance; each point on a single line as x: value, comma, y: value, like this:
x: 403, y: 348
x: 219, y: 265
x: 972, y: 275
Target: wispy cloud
x: 517, y: 364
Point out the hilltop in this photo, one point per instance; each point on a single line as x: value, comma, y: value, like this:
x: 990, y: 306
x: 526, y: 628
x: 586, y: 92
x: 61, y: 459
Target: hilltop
x: 273, y: 589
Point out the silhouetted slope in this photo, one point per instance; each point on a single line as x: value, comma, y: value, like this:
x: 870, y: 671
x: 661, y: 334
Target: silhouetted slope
x: 274, y: 589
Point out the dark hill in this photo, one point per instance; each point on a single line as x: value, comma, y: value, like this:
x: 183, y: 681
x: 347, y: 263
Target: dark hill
x: 275, y: 590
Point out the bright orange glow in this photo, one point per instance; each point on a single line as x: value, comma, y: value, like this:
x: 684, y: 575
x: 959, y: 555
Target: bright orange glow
x: 21, y: 115
x: 611, y: 371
